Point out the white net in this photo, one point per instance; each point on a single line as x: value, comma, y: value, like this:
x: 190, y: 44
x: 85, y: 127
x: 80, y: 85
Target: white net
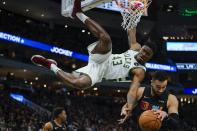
x: 66, y: 7
x: 132, y: 12
x: 131, y: 19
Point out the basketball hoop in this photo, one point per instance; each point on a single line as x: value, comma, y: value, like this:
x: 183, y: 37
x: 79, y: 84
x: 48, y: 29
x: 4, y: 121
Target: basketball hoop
x: 131, y: 11
x: 67, y: 5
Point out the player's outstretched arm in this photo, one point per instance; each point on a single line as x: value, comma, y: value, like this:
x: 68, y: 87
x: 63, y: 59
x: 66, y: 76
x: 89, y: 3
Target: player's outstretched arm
x: 135, y: 84
x: 134, y: 45
x: 133, y: 94
x: 126, y: 112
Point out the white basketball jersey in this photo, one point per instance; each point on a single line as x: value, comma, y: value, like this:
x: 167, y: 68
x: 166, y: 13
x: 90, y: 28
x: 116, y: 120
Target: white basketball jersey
x: 120, y: 65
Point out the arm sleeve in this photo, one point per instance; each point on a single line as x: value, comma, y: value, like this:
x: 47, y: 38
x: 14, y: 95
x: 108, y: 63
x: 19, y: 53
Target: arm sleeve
x: 172, y: 121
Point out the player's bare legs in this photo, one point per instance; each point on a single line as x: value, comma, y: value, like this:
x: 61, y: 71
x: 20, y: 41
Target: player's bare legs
x: 103, y: 47
x: 81, y: 82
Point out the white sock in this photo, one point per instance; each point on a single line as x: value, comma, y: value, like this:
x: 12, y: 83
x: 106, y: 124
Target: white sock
x: 82, y: 16
x: 54, y: 68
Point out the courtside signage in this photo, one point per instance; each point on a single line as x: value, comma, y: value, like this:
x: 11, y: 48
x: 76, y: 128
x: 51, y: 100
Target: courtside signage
x: 186, y: 66
x: 160, y: 67
x: 181, y: 46
x: 190, y: 91
x: 42, y: 46
x: 17, y: 97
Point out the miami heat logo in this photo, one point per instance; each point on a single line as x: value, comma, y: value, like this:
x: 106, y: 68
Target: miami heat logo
x: 145, y: 105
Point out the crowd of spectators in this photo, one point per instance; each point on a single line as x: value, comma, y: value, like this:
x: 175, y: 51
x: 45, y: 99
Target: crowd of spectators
x: 85, y: 113
x: 15, y: 116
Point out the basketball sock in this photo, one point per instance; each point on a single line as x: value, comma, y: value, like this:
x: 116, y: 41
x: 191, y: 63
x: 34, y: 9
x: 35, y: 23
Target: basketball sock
x: 54, y: 68
x: 82, y: 16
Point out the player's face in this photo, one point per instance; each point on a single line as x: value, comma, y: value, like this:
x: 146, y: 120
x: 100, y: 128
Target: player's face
x: 63, y: 116
x: 144, y: 54
x: 158, y: 87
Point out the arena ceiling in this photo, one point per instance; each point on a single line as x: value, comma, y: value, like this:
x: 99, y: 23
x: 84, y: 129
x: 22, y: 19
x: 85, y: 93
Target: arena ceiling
x: 49, y: 11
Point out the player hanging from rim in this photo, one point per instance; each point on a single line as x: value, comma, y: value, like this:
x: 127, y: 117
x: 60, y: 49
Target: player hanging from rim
x: 102, y: 63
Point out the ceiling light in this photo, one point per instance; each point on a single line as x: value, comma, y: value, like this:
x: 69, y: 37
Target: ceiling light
x: 83, y: 31
x: 73, y: 66
x: 165, y: 37
x: 26, y: 82
x: 169, y: 10
x: 45, y: 85
x: 181, y: 99
x: 170, y: 6
x: 36, y: 78
x: 4, y: 2
x: 28, y: 21
x: 27, y: 10
x: 88, y: 33
x: 185, y: 99
x: 31, y: 83
x: 118, y: 91
x: 95, y: 89
x: 42, y: 15
x: 66, y: 26
x: 11, y: 73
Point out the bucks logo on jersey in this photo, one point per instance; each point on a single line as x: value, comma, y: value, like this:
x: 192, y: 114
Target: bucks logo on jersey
x: 123, y: 59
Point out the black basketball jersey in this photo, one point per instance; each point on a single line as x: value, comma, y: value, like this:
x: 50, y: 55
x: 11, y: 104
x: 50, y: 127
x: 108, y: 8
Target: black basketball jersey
x: 58, y: 128
x: 148, y: 102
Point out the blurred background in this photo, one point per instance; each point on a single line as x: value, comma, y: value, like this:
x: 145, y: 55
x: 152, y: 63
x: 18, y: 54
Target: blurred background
x: 29, y: 93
